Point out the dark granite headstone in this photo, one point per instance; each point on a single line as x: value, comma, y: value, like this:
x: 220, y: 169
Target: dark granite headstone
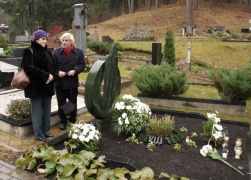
x: 5, y: 78
x: 245, y: 30
x: 156, y: 53
x: 107, y: 39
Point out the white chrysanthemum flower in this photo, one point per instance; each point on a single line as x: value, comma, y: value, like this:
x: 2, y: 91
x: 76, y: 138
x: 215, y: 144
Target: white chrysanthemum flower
x: 217, y: 134
x: 81, y: 137
x: 92, y: 133
x: 76, y: 131
x: 205, y: 149
x: 127, y: 121
x: 216, y: 120
x: 96, y: 137
x: 92, y: 127
x: 91, y: 136
x: 124, y: 115
x: 85, y: 132
x: 120, y: 122
x: 210, y: 115
x: 218, y: 127
x: 128, y: 107
x: 127, y: 96
x: 87, y: 139
x: 74, y: 136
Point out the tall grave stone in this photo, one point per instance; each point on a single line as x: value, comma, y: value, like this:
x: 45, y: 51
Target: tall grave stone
x: 189, y: 28
x: 80, y: 22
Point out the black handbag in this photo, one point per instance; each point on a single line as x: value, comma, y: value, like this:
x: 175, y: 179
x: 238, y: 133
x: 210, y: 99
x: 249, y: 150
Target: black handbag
x: 68, y: 108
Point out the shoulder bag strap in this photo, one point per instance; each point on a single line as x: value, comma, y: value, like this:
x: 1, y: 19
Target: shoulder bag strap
x: 21, y: 65
x: 31, y: 54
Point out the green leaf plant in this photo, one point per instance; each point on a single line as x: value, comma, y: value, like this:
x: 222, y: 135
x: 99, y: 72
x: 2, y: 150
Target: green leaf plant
x: 150, y: 146
x: 133, y: 139
x: 83, y: 165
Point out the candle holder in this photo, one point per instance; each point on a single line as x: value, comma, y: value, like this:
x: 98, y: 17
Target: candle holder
x: 224, y: 152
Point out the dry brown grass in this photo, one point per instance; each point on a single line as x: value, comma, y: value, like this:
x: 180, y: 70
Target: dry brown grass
x: 233, y: 17
x: 205, y: 50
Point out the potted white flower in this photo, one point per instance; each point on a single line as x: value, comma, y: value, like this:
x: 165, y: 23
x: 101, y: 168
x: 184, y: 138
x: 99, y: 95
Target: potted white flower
x: 84, y: 136
x: 130, y: 115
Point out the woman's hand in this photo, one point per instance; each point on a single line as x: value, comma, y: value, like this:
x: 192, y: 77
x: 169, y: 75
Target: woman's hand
x: 49, y: 79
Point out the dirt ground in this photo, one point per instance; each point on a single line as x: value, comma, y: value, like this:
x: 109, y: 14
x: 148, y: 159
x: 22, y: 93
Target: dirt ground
x: 188, y: 162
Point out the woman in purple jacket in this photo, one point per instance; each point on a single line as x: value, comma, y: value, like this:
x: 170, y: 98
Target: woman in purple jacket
x: 69, y: 62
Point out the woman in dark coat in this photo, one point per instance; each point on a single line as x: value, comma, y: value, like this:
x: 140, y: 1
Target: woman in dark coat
x: 38, y: 64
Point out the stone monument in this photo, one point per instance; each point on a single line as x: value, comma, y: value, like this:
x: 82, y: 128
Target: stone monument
x: 94, y: 36
x: 3, y: 32
x: 99, y: 104
x: 189, y: 28
x: 80, y: 22
x: 189, y: 47
x: 137, y: 33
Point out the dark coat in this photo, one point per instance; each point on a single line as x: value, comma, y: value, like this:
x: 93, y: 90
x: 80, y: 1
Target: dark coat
x: 38, y: 64
x: 75, y: 61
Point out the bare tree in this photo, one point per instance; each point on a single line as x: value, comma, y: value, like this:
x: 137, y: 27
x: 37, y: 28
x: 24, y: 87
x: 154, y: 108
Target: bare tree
x: 148, y: 4
x: 156, y: 3
x: 249, y: 5
x: 131, y: 6
x: 196, y: 5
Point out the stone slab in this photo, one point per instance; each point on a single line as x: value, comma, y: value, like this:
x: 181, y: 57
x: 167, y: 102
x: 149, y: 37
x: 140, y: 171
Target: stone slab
x: 188, y: 103
x: 25, y: 129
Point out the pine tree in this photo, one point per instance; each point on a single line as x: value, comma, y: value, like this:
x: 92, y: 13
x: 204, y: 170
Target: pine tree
x: 169, y: 49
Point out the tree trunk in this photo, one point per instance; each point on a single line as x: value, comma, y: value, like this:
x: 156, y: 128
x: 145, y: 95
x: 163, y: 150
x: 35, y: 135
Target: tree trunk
x: 156, y: 3
x: 148, y: 4
x: 249, y: 6
x: 131, y: 6
x: 196, y: 5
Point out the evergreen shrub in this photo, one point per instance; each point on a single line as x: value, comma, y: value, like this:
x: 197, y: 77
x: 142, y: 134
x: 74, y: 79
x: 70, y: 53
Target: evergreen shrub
x: 103, y: 47
x: 161, y: 80
x: 169, y: 49
x: 3, y: 43
x: 149, y: 37
x: 98, y: 47
x: 232, y: 84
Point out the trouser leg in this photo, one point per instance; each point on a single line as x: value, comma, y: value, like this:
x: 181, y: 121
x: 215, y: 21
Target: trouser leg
x: 73, y: 98
x: 61, y: 99
x: 36, y: 113
x: 46, y: 118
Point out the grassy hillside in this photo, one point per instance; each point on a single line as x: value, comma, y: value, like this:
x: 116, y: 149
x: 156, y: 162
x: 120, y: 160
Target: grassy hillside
x: 205, y: 50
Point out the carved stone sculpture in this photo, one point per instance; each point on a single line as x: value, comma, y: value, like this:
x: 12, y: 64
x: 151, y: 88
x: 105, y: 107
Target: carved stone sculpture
x: 105, y: 74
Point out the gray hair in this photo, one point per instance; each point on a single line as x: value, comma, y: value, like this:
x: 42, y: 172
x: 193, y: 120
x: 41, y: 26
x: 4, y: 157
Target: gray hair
x: 68, y: 35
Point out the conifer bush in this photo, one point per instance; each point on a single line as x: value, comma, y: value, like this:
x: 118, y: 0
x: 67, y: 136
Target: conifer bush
x: 103, y: 47
x: 161, y: 80
x: 232, y: 84
x: 3, y: 43
x: 169, y: 49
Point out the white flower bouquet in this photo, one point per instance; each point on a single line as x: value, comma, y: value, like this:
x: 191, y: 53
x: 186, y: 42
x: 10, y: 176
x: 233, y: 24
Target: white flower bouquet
x: 84, y: 136
x: 212, y: 130
x: 208, y: 150
x: 130, y: 115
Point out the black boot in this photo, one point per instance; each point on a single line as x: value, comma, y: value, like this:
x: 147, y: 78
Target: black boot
x: 62, y: 126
